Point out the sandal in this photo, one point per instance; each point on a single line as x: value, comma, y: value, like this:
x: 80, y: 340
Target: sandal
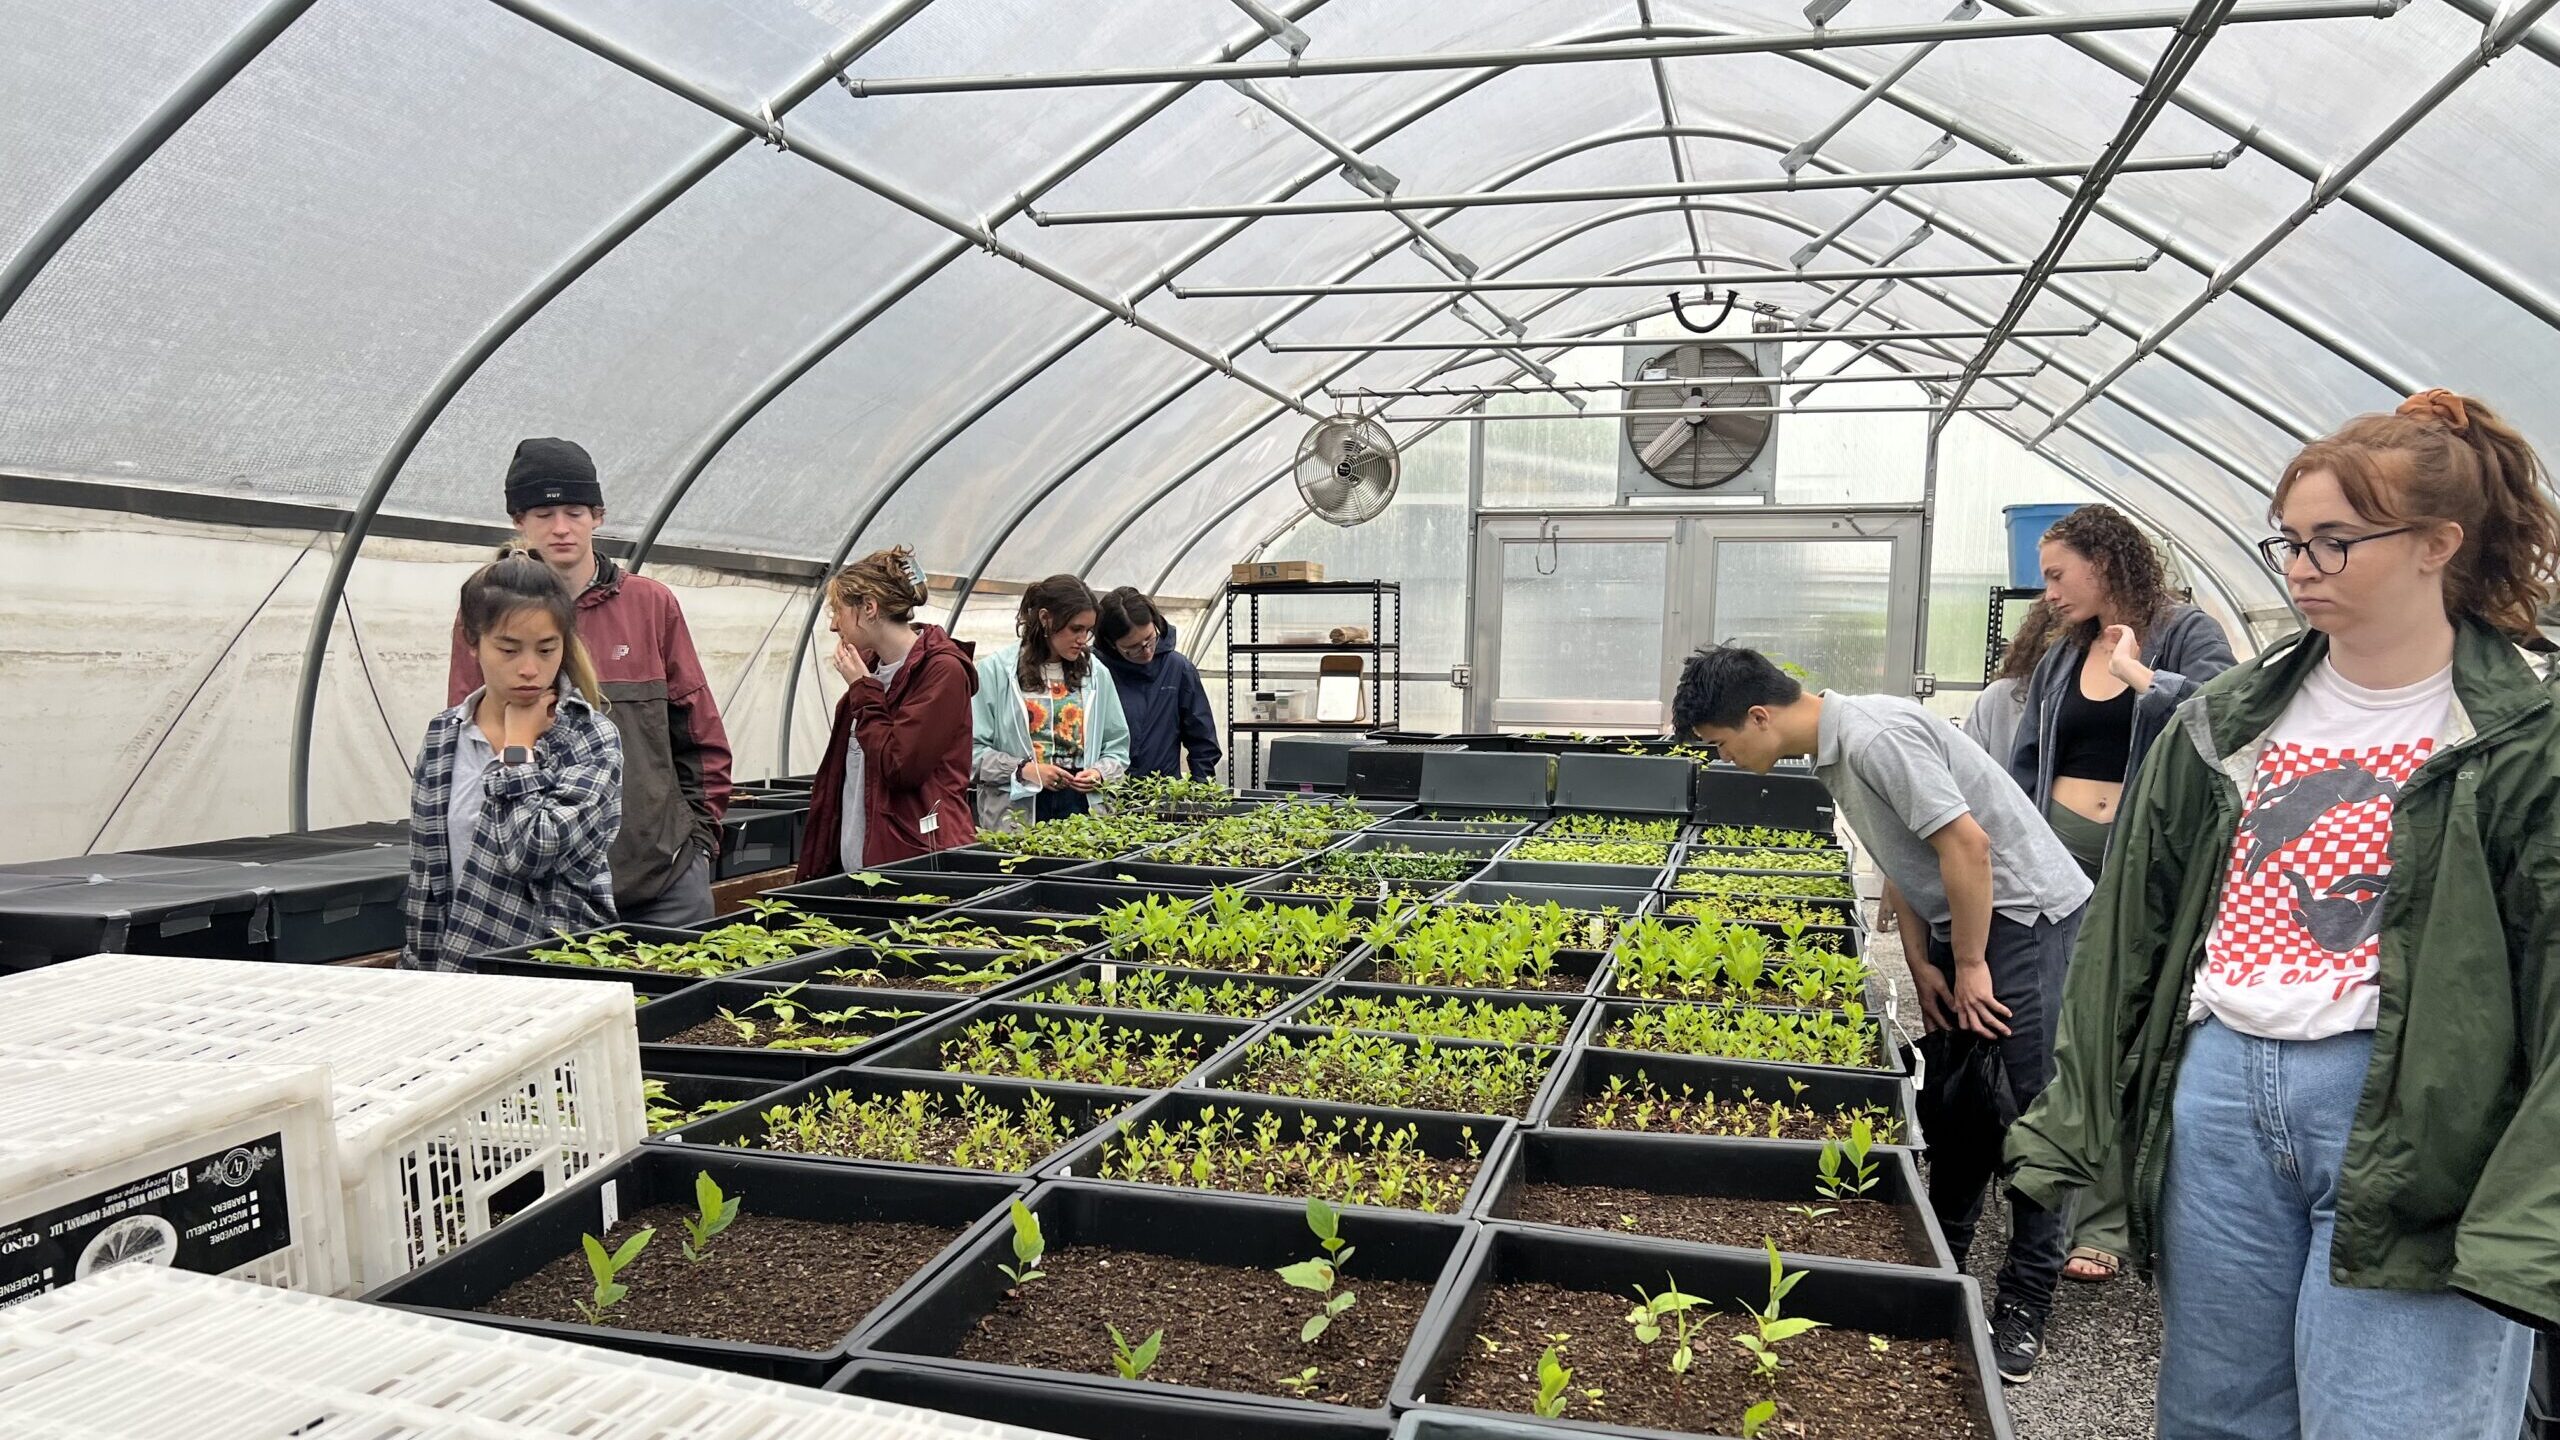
x: 2092, y: 1267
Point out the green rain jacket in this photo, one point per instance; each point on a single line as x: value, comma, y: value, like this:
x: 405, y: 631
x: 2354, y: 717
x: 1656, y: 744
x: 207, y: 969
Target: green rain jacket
x: 2452, y: 1171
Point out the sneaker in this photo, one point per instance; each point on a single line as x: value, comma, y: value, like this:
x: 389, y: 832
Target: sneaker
x: 2017, y: 1339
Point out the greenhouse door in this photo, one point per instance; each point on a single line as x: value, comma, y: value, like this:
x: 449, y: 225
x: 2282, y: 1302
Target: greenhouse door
x: 1581, y: 621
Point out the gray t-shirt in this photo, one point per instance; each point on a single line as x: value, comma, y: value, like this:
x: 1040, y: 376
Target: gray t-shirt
x: 472, y: 757
x: 1900, y: 775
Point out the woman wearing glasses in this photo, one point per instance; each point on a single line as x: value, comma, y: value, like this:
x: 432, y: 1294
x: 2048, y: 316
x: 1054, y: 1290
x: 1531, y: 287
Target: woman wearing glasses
x: 1160, y: 691
x: 2317, y: 1002
x: 2129, y: 654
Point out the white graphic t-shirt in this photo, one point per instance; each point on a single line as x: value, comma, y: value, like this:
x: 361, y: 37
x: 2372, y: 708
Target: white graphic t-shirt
x: 2294, y: 948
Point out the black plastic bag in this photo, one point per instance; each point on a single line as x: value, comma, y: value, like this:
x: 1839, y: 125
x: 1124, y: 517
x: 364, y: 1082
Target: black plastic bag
x: 1964, y: 1101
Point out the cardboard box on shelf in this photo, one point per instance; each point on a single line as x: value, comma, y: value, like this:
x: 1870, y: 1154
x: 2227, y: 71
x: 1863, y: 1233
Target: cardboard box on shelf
x: 1271, y: 572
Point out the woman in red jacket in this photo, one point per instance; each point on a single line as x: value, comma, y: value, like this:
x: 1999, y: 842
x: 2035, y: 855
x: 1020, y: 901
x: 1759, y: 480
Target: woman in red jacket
x: 895, y: 782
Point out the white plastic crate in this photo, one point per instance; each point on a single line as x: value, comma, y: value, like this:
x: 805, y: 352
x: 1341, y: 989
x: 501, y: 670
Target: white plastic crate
x: 154, y: 1352
x: 224, y: 1169
x: 447, y: 1090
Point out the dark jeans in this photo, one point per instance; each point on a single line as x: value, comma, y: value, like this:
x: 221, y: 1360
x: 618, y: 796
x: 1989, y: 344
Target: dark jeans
x: 685, y: 901
x: 2027, y: 965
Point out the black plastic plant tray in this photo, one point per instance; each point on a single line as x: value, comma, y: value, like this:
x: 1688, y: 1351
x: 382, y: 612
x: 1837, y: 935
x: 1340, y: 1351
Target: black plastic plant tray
x: 1212, y: 1077
x: 1362, y: 911
x: 1493, y: 781
x: 832, y: 894
x: 1649, y: 785
x: 1776, y: 1170
x: 1031, y: 992
x: 1442, y: 1134
x: 1588, y: 1070
x: 1889, y: 1053
x: 219, y: 914
x: 1058, y: 896
x: 970, y: 860
x: 1718, y: 858
x: 1895, y: 1301
x: 675, y: 1013
x: 1391, y: 836
x: 1570, y: 874
x: 1315, y: 762
x: 1575, y: 1007
x: 1726, y: 795
x: 1472, y: 1425
x: 1252, y: 1231
x: 451, y: 1286
x: 754, y: 839
x: 1875, y: 994
x: 921, y: 1050
x: 1088, y: 1414
x: 1841, y: 939
x: 1460, y: 820
x: 1384, y: 772
x: 907, y: 971
x: 335, y: 906
x: 1589, y: 965
x: 519, y: 961
x: 1160, y: 878
x: 1084, y: 1105
x: 1628, y: 903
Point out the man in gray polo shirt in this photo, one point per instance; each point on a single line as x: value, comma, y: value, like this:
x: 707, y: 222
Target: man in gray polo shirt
x: 1989, y: 905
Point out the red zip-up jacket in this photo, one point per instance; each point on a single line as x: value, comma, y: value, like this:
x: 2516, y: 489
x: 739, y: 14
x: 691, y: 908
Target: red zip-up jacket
x: 675, y: 753
x: 914, y: 734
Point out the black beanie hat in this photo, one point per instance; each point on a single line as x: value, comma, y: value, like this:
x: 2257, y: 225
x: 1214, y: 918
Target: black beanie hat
x: 551, y: 472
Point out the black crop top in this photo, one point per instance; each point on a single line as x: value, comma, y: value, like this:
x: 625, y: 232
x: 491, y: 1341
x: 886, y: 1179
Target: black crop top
x: 2092, y: 738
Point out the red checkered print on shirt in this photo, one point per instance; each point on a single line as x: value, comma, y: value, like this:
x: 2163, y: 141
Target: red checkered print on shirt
x: 2257, y: 939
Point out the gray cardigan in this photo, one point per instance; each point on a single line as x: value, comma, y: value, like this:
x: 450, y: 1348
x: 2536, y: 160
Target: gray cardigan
x: 2184, y: 650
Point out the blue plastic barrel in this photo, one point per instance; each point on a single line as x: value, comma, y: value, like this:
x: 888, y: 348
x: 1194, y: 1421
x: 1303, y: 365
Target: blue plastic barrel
x: 2027, y: 524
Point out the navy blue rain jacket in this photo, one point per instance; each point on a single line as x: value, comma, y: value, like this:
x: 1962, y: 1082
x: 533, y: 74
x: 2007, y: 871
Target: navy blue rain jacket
x: 1167, y: 709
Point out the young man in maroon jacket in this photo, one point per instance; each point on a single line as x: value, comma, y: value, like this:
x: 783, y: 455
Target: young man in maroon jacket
x: 675, y: 755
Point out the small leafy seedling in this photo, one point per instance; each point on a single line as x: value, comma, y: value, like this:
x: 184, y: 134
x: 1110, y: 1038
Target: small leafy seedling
x: 604, y: 1267
x: 868, y: 879
x: 713, y: 1213
x: 1647, y: 1318
x: 1553, y: 1376
x: 1769, y: 1329
x: 1134, y: 1363
x: 1879, y: 1344
x: 1812, y: 1212
x: 1302, y: 1384
x: 1320, y: 1274
x: 1757, y: 1418
x: 1028, y: 1247
x: 1860, y: 1176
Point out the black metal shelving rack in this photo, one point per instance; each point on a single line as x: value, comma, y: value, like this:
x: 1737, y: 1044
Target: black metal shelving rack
x: 1996, y: 643
x: 1386, y: 637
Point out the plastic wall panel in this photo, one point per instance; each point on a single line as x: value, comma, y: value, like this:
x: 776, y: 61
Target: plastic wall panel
x: 740, y: 47
x: 2504, y: 122
x: 2248, y: 344
x: 1352, y: 103
x: 261, y: 307
x: 1786, y: 96
x: 2210, y: 417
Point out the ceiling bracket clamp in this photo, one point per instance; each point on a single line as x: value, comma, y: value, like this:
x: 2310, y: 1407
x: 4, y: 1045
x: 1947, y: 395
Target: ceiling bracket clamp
x: 772, y: 123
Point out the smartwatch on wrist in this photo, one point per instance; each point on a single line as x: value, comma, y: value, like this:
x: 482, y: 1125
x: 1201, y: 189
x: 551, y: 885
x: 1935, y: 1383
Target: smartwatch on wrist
x: 516, y: 755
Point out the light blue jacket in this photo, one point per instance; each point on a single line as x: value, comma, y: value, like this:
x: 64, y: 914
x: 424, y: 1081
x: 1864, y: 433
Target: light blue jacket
x: 1000, y: 737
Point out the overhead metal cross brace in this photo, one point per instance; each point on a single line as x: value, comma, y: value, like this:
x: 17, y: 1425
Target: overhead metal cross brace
x: 1567, y: 342
x: 1783, y: 185
x: 1794, y: 159
x: 1939, y: 149
x: 1473, y: 417
x: 1865, y: 37
x: 1559, y: 387
x: 1726, y: 279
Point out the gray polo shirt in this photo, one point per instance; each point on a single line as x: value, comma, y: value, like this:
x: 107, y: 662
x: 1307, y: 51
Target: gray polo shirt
x: 1900, y: 775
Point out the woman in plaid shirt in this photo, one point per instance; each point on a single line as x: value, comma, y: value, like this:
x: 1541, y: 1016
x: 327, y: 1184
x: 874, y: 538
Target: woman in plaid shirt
x: 518, y: 792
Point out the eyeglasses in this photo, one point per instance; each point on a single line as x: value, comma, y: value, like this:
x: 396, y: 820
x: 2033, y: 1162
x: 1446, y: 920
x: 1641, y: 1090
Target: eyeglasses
x: 2328, y: 552
x: 1136, y: 649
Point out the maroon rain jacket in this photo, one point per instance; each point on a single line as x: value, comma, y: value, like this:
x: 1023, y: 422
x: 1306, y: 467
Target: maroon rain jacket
x: 914, y: 734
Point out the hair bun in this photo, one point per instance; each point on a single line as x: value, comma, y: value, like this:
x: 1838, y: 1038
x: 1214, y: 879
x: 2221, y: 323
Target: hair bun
x: 2438, y: 404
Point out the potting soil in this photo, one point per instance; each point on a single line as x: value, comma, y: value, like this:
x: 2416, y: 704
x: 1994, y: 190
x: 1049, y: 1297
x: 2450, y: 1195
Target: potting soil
x: 1853, y: 1230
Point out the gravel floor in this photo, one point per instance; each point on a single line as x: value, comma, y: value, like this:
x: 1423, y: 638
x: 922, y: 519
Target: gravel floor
x: 2102, y: 1349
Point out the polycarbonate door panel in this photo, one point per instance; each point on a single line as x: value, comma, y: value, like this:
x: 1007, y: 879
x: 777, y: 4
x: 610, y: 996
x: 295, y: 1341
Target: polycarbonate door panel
x: 1574, y: 619
x: 1835, y: 595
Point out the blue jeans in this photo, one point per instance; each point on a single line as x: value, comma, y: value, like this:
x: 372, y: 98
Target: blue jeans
x: 2260, y: 1345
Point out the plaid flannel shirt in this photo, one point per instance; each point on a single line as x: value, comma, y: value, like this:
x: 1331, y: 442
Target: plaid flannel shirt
x: 539, y: 866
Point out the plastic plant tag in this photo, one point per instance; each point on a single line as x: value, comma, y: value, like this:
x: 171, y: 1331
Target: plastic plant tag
x: 612, y: 1198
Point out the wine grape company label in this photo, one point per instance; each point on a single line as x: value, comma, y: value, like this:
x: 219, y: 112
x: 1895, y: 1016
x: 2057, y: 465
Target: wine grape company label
x: 214, y: 1214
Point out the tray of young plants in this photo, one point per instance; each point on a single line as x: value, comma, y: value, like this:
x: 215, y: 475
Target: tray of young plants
x: 1343, y: 1154
x: 760, y: 1264
x: 1833, y: 922
x: 953, y: 953
x: 1239, y: 932
x: 1149, y: 875
x: 1672, y: 959
x: 1112, y: 1048
x: 892, y: 892
x: 938, y: 1122
x: 1457, y: 820
x: 1649, y: 855
x: 1674, y: 1095
x: 1270, y: 836
x: 1568, y: 873
x: 1380, y: 869
x: 1845, y: 1037
x: 769, y: 934
x: 1090, y: 836
x: 1605, y: 906
x: 1521, y: 1019
x: 1105, y: 985
x: 1653, y: 829
x: 1221, y: 1299
x: 1637, y: 1337
x: 772, y: 1032
x: 625, y: 953
x: 675, y: 1101
x: 1511, y: 945
x: 1850, y: 1199
x: 1172, y: 797
x: 1770, y: 864
x: 1036, y: 1402
x: 1691, y: 880
x: 1059, y: 896
x: 1401, y: 1072
x: 1758, y: 837
x: 975, y: 860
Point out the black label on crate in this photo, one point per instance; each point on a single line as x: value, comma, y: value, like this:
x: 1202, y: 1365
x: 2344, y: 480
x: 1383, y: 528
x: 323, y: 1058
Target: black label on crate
x: 211, y: 1215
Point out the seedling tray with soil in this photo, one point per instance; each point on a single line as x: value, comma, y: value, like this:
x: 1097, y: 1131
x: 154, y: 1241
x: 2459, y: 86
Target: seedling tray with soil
x: 1898, y: 1354
x: 1733, y: 1193
x: 1668, y: 1095
x: 1717, y: 859
x: 1351, y: 1156
x: 1613, y: 826
x: 1239, y: 932
x: 1395, y: 1071
x: 1202, y: 1269
x: 1452, y: 820
x: 1612, y: 906
x: 661, y: 960
x: 978, y: 860
x: 1712, y: 836
x: 1692, y: 878
x: 1088, y: 1413
x: 1106, y: 986
x: 1515, y: 945
x: 1671, y: 959
x: 813, y: 1252
x: 1090, y: 836
x: 1644, y: 856
x: 1075, y: 898
x: 1575, y: 873
x: 1110, y: 1048
x: 675, y: 1100
x: 1151, y: 875
x: 1827, y: 917
x: 935, y: 1122
x: 954, y: 952
x: 647, y: 984
x: 891, y: 892
x: 1847, y: 1039
x: 1512, y: 1018
x: 773, y: 1032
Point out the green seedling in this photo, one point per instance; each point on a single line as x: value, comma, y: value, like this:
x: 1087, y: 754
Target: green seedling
x: 1319, y: 1275
x: 1812, y: 1212
x: 1878, y: 1344
x: 1859, y: 1176
x: 1553, y: 1377
x: 713, y: 1213
x: 1647, y: 1319
x: 609, y: 1291
x: 1302, y: 1384
x: 1134, y: 1362
x: 1769, y: 1328
x: 1757, y: 1418
x: 869, y: 879
x: 1028, y: 1247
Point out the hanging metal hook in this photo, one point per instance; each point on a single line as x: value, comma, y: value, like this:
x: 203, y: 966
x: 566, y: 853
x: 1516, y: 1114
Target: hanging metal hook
x: 1546, y: 536
x: 1706, y: 297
